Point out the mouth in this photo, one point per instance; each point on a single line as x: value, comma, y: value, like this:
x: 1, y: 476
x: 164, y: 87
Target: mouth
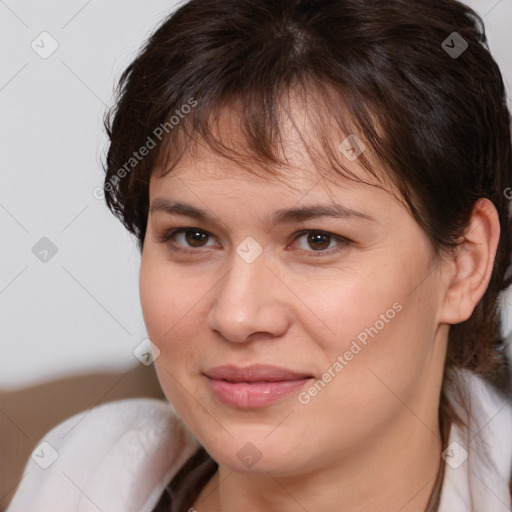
x: 254, y: 386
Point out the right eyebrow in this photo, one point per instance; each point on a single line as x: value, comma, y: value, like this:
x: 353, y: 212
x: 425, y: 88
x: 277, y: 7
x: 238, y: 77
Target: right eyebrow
x: 177, y: 208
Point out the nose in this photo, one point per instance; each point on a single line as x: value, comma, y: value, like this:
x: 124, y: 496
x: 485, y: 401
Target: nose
x: 248, y: 303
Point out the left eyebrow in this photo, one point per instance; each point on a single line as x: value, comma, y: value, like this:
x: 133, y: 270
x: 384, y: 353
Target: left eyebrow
x: 283, y: 216
x: 315, y: 211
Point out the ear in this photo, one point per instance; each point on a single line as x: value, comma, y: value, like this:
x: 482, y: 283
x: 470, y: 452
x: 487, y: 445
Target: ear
x: 471, y: 264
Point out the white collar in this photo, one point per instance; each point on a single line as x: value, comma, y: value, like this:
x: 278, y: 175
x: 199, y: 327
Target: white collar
x: 478, y: 458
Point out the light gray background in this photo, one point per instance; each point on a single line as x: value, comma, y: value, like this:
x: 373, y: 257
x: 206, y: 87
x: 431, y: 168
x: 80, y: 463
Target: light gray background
x: 79, y: 311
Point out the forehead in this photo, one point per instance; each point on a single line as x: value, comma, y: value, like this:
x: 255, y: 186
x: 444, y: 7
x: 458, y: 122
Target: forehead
x: 303, y: 157
x: 212, y: 174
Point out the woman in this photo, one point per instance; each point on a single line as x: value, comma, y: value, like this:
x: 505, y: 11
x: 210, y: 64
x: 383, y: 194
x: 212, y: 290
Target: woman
x: 318, y: 192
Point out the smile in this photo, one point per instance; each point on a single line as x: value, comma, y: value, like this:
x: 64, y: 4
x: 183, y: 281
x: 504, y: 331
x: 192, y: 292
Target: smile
x: 254, y: 386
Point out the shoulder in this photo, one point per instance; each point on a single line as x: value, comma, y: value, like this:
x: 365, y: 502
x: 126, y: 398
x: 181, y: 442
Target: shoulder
x: 479, y: 452
x: 117, y: 456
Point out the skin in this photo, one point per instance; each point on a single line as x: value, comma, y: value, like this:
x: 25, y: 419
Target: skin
x: 370, y: 440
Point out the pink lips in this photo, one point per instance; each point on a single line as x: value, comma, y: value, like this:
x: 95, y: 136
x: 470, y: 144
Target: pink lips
x: 253, y: 386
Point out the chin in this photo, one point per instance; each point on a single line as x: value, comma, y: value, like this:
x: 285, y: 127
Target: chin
x: 247, y: 454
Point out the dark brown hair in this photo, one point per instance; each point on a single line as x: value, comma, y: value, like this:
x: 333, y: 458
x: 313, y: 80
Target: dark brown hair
x: 437, y: 122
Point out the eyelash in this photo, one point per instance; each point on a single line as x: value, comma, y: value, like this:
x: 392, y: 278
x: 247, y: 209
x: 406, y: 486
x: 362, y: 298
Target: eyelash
x: 342, y: 242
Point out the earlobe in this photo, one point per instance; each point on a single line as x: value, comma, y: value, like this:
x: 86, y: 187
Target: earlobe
x: 471, y: 263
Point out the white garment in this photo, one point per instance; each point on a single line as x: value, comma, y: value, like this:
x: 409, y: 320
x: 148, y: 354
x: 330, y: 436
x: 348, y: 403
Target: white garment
x: 118, y: 457
x: 481, y: 482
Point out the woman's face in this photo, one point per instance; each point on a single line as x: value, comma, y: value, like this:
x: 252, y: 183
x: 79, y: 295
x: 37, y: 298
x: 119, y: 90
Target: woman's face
x: 319, y: 301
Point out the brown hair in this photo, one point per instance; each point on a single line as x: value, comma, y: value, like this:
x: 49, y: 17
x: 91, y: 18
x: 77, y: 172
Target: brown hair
x: 436, y: 121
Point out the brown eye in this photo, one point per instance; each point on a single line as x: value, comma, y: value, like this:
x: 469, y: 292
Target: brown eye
x: 320, y: 243
x: 318, y: 240
x: 196, y: 238
x: 191, y: 238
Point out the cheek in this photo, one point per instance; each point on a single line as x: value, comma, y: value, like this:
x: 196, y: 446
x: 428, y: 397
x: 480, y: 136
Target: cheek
x: 156, y: 301
x: 375, y: 365
x: 167, y: 307
x: 164, y: 300
x: 384, y: 355
x: 383, y: 320
x: 346, y: 310
x: 174, y: 307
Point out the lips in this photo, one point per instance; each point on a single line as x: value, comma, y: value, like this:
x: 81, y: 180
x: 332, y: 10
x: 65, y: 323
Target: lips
x: 254, y: 386
x: 254, y: 373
